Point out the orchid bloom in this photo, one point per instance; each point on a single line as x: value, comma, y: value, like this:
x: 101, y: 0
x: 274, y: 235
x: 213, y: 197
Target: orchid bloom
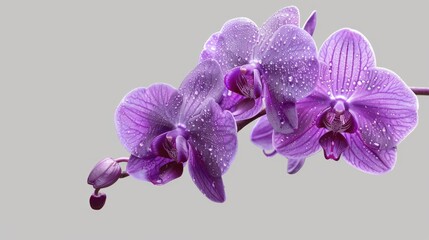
x: 164, y: 128
x: 277, y: 62
x: 357, y: 110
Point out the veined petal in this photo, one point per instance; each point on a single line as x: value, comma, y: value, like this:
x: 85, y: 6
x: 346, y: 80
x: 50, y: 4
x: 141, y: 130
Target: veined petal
x: 300, y: 144
x: 305, y: 140
x: 157, y: 170
x: 310, y: 24
x: 143, y: 114
x: 213, y: 135
x: 346, y: 52
x: 368, y: 159
x: 205, y: 81
x: 285, y: 16
x: 262, y: 134
x: 241, y: 107
x: 294, y: 165
x: 211, y: 186
x: 289, y: 60
x: 333, y: 144
x: 385, y: 108
x: 233, y: 45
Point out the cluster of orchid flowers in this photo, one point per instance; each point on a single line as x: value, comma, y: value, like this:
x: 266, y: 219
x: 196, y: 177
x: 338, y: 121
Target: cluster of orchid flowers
x: 336, y: 99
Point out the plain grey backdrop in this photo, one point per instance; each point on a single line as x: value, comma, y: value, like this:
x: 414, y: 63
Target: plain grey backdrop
x: 64, y: 67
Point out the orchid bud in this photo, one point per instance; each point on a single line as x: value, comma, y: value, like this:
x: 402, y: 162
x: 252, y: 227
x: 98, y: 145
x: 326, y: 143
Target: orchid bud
x: 97, y: 200
x: 104, y: 174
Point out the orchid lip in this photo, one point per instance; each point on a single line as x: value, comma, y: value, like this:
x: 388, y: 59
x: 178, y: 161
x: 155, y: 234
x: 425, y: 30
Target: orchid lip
x: 172, y: 144
x: 337, y: 118
x: 245, y: 80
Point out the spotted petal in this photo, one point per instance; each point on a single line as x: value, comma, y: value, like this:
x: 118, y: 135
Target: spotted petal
x: 346, y: 52
x: 289, y: 60
x: 203, y: 82
x: 291, y: 72
x: 367, y: 158
x: 142, y: 115
x: 211, y: 186
x: 213, y: 135
x: 158, y: 170
x: 210, y: 47
x: 285, y: 16
x: 385, y: 107
x: 233, y: 45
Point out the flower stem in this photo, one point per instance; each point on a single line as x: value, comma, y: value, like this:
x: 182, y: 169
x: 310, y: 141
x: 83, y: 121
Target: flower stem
x: 420, y: 90
x: 122, y: 159
x: 241, y: 124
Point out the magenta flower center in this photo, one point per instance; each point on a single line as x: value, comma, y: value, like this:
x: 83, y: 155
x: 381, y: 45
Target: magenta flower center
x: 337, y: 120
x: 172, y: 145
x: 245, y: 80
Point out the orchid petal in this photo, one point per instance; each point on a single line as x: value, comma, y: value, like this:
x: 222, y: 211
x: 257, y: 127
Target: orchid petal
x: 211, y: 186
x: 369, y: 159
x: 285, y: 16
x: 213, y: 134
x: 281, y: 113
x: 157, y: 170
x: 310, y: 24
x: 157, y: 146
x: 182, y: 149
x: 142, y: 115
x: 241, y: 107
x: 209, y: 50
x: 385, y: 108
x: 289, y: 59
x: 233, y: 45
x: 204, y: 82
x: 304, y: 141
x: 294, y: 165
x: 262, y: 134
x: 333, y: 144
x: 346, y: 52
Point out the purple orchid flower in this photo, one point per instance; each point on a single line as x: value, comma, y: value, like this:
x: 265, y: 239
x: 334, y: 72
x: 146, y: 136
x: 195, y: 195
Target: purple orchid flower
x: 163, y: 128
x: 277, y: 61
x: 356, y: 109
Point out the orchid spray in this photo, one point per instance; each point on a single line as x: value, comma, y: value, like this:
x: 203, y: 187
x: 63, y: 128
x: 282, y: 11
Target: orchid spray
x: 335, y: 99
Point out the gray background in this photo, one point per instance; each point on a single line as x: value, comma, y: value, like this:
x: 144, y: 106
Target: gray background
x: 66, y: 65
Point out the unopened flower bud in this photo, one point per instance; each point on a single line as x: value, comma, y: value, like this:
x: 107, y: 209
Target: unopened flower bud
x: 104, y: 174
x: 97, y: 200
